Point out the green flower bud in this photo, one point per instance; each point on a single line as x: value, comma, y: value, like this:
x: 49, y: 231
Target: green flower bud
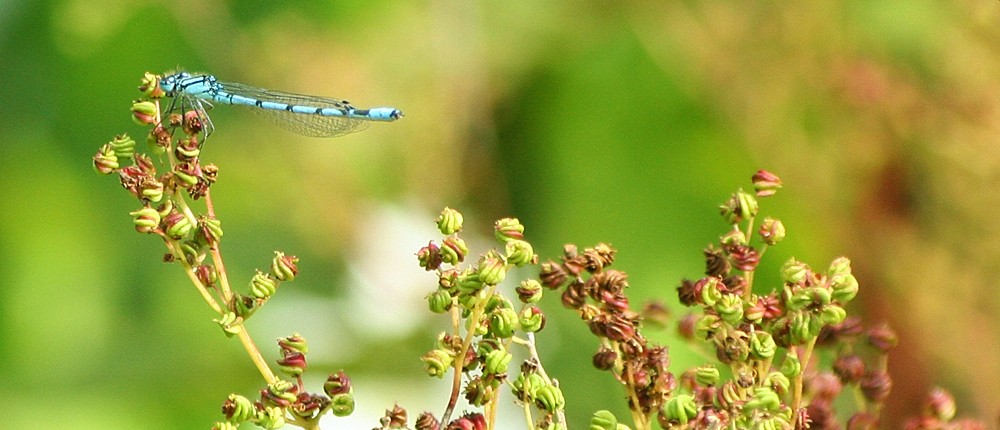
x: 146, y: 220
x: 262, y: 285
x: 468, y: 283
x: 791, y: 367
x: 531, y: 319
x: 734, y: 237
x: 526, y: 385
x: 209, y: 230
x: 231, y: 324
x: 762, y: 345
x: 271, y: 417
x: 549, y: 398
x: 492, y: 269
x: 454, y: 250
x: 187, y: 149
x: 294, y: 343
x: 280, y: 393
x: 284, y: 267
x: 449, y: 222
x: 772, y: 231
x: 710, y: 293
x: 730, y: 308
x: 105, y: 160
x: 342, y: 405
x: 529, y: 291
x: 706, y: 325
x: 439, y: 301
x: 845, y: 287
x: 507, y: 229
x: 177, y: 225
x: 603, y: 420
x: 123, y: 145
x: 832, y: 315
x: 794, y: 271
x: 707, y: 375
x: 496, y: 361
x: 437, y: 362
x: 223, y: 425
x: 144, y: 112
x: 520, y: 253
x: 764, y: 399
x: 186, y: 174
x: 680, y: 409
x: 151, y: 190
x: 503, y: 322
x: 238, y: 409
x: 778, y: 382
x: 799, y: 328
x: 839, y: 266
x: 149, y: 85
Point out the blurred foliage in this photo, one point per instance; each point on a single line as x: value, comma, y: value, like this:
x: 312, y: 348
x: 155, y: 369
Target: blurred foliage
x: 591, y: 121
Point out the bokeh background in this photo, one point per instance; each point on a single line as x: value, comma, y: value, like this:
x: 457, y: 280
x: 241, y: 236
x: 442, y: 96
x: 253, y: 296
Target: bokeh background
x: 624, y: 122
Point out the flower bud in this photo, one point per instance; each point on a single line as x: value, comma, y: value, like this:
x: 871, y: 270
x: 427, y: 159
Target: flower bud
x: 454, y: 250
x: 146, y: 220
x: 508, y: 228
x: 778, y: 382
x: 449, y: 222
x: 187, y: 149
x: 231, y: 323
x: 262, y: 285
x: 337, y: 384
x: 492, y: 269
x: 105, y: 160
x: 531, y: 319
x: 209, y: 230
x: 519, y: 252
x: 765, y: 183
x: 603, y: 420
x: 875, y: 386
x: 439, y: 301
x: 772, y: 231
x: 429, y: 257
x: 177, y: 225
x: 845, y: 287
x: 832, y: 315
x: 426, y: 421
x: 224, y: 425
x: 710, y: 293
x: 293, y: 363
x: 496, y: 361
x: 293, y: 343
x: 206, y: 274
x: 271, y: 417
x: 791, y: 367
x: 342, y: 405
x: 940, y: 405
x: 237, y: 408
x: 552, y: 275
x: 849, y: 368
x: 503, y: 322
x: 764, y: 399
x: 193, y: 123
x: 680, y: 409
x: 437, y: 362
x: 762, y: 345
x: 794, y: 271
x: 883, y: 338
x: 529, y: 291
x: 149, y: 85
x: 144, y: 112
x: 526, y: 385
x: 284, y: 267
x: 549, y: 398
x: 707, y: 375
x: 730, y: 308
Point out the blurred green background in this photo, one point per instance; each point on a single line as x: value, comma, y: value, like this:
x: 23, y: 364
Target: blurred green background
x: 623, y: 122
